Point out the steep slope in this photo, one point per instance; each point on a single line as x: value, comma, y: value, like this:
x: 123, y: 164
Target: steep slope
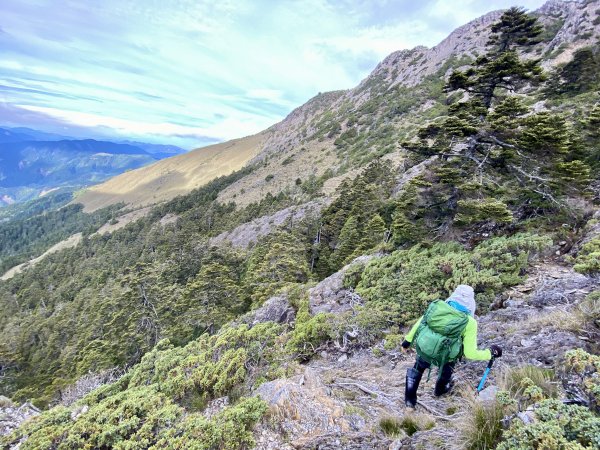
x: 163, y: 335
x: 336, y: 132
x: 174, y: 176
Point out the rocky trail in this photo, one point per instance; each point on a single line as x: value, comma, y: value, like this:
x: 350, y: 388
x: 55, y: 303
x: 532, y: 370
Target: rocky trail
x: 342, y: 400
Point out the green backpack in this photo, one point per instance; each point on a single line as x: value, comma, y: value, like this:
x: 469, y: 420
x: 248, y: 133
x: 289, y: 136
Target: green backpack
x: 439, y: 336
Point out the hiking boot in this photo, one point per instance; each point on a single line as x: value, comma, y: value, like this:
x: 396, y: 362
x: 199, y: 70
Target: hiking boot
x: 413, y: 378
x: 443, y: 387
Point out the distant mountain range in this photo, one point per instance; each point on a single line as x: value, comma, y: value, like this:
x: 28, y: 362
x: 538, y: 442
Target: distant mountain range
x: 33, y: 162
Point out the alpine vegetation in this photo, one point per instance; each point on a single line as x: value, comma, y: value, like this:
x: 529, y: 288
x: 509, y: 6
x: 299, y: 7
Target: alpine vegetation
x: 412, y: 263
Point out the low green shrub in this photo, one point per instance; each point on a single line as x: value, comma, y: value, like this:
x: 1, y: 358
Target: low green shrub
x: 590, y: 308
x: 517, y: 380
x: 582, y: 372
x: 309, y: 332
x: 158, y: 404
x: 588, y: 258
x: 405, y: 282
x: 556, y: 426
x: 553, y: 423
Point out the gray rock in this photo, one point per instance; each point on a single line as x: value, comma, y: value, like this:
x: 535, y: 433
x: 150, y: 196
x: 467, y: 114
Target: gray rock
x: 488, y: 394
x: 78, y: 411
x: 569, y: 288
x: 527, y: 417
x: 11, y: 416
x: 304, y: 407
x: 330, y: 295
x: 276, y: 309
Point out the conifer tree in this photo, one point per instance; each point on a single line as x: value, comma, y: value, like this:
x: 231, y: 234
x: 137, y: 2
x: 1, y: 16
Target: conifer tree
x: 374, y: 233
x: 213, y: 297
x: 348, y: 241
x: 279, y: 261
x: 501, y: 67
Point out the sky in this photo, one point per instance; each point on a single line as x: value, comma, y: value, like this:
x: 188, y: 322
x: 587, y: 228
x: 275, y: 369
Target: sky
x: 196, y: 72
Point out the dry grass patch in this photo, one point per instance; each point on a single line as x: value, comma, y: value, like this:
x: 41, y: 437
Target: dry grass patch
x: 512, y: 380
x: 559, y: 319
x: 173, y: 176
x: 481, y: 428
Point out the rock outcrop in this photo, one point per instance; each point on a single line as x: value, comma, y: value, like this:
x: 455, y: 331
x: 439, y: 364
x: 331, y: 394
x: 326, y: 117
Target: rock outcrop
x: 11, y: 415
x: 330, y: 295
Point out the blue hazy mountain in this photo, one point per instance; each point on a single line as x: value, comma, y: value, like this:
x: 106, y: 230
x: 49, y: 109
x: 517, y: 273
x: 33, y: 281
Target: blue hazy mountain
x: 33, y: 163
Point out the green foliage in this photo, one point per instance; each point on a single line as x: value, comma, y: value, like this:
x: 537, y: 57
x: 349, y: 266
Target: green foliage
x: 22, y: 239
x: 406, y: 227
x: 544, y: 379
x: 109, y: 300
x: 557, y: 426
x: 483, y: 427
x: 374, y: 233
x: 578, y: 76
x: 405, y: 282
x: 309, y: 332
x: 153, y: 405
x: 276, y: 263
x: 515, y: 29
x: 48, y: 202
x: 590, y: 308
x: 476, y: 211
x: 354, y: 212
x: 588, y: 258
x: 391, y: 427
x: 583, y: 369
x: 545, y: 134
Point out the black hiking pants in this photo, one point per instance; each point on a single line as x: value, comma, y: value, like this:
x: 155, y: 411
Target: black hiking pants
x: 444, y: 375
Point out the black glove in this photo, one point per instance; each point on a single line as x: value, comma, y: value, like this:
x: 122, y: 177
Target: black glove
x: 405, y: 344
x: 496, y: 351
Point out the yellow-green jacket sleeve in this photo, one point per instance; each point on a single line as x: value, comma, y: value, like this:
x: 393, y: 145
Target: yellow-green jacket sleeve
x: 470, y: 343
x: 411, y: 334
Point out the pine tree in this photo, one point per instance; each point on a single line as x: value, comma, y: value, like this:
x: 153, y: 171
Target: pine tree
x: 279, y: 261
x: 501, y: 67
x: 374, y: 233
x: 348, y: 241
x: 213, y: 297
x: 515, y: 29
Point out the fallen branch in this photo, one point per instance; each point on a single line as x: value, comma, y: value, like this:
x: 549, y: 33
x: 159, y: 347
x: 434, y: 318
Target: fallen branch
x: 436, y: 413
x: 362, y: 388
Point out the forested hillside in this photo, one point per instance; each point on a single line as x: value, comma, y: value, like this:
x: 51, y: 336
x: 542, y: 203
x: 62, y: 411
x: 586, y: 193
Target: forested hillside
x: 480, y: 170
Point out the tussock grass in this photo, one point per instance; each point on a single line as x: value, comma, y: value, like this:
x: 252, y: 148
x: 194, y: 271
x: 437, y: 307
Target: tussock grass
x: 481, y: 428
x: 560, y: 319
x: 512, y: 380
x: 409, y: 424
x: 391, y: 426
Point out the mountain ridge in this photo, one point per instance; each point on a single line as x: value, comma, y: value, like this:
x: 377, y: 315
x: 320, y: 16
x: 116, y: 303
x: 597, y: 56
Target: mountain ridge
x: 404, y: 70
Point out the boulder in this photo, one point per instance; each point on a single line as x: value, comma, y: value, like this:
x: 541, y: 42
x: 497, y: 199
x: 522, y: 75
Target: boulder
x: 304, y: 407
x: 330, y: 295
x: 277, y: 309
x: 569, y: 287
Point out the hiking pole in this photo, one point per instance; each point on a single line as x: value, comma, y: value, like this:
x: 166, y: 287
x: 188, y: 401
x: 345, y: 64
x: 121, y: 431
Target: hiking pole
x: 485, y: 375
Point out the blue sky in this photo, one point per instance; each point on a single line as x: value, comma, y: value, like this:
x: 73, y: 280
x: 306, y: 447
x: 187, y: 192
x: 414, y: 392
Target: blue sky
x: 194, y: 72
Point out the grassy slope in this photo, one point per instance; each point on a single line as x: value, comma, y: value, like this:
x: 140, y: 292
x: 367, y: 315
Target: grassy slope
x: 173, y: 176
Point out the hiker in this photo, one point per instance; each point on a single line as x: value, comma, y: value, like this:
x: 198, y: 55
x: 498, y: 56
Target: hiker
x: 445, y: 333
